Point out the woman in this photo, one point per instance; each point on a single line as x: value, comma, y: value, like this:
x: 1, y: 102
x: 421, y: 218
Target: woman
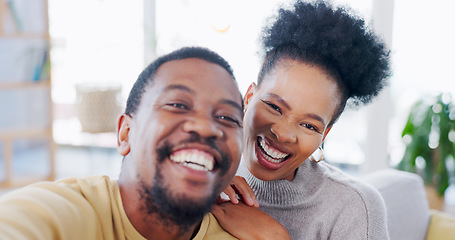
x: 316, y: 59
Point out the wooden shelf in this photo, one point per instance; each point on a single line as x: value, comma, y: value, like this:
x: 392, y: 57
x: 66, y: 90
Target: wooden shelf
x: 25, y: 84
x: 23, y: 28
x: 25, y: 133
x: 25, y: 35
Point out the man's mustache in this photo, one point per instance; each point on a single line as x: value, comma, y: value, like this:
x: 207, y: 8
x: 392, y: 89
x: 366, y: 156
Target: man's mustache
x: 224, y: 163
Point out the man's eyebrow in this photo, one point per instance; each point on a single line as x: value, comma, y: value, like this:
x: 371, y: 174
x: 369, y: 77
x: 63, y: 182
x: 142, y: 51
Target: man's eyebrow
x: 178, y: 87
x: 189, y: 90
x: 286, y: 105
x: 232, y: 103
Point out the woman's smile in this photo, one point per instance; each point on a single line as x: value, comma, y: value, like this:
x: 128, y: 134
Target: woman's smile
x: 268, y: 156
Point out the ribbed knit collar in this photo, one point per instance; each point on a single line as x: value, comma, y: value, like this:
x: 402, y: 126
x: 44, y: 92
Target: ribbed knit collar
x: 302, y: 188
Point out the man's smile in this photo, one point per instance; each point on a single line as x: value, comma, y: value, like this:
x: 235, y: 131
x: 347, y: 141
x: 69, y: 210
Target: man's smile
x: 194, y: 159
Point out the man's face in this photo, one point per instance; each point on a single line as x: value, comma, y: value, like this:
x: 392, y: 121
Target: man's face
x: 185, y: 139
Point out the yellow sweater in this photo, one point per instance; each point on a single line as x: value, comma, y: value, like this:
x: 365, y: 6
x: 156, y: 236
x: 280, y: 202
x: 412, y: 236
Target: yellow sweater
x: 76, y: 208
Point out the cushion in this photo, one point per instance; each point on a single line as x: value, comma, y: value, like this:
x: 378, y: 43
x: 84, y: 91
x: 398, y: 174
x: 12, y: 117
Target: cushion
x: 442, y: 226
x: 404, y: 195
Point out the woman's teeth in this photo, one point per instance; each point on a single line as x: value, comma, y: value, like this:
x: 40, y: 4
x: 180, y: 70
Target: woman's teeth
x: 194, y: 159
x: 271, y: 154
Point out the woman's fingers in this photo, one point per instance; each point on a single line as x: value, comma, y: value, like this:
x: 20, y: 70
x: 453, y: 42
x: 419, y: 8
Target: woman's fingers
x: 230, y: 192
x: 239, y: 188
x: 244, y: 191
x: 245, y: 222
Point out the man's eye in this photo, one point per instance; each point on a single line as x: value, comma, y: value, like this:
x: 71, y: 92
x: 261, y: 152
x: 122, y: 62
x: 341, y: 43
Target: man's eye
x: 178, y: 105
x: 229, y: 120
x: 273, y: 106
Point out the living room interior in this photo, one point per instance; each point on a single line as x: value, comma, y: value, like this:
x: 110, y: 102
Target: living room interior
x: 61, y: 61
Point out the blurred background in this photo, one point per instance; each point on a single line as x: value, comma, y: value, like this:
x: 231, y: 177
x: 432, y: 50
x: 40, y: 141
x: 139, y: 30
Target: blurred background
x: 66, y: 68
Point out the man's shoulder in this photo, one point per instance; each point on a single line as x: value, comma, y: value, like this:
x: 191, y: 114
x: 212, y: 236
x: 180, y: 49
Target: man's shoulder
x: 61, y: 195
x: 85, y: 184
x: 52, y: 209
x: 64, y: 188
x: 211, y: 229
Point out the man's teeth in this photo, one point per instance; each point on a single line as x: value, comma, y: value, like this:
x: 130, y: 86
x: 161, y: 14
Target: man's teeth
x: 194, y: 159
x: 271, y: 154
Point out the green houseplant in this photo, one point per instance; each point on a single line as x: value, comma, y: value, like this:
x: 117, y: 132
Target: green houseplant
x: 429, y: 137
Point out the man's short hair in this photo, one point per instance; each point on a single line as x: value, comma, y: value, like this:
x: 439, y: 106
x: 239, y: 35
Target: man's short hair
x: 146, y: 77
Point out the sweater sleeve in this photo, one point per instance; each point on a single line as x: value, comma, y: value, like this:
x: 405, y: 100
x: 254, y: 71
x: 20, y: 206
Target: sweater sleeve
x: 362, y: 218
x: 376, y: 215
x: 46, y: 211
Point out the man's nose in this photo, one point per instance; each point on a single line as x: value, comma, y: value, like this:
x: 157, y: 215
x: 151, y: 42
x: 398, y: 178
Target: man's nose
x: 284, y: 133
x: 204, y: 126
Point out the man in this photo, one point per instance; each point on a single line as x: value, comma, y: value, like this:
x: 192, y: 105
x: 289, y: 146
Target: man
x: 181, y: 138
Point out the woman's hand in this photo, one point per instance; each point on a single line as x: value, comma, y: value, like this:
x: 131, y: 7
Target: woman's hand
x: 240, y: 188
x: 245, y: 222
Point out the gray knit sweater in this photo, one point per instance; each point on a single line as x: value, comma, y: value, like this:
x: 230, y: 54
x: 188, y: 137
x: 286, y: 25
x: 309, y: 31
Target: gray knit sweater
x: 322, y: 202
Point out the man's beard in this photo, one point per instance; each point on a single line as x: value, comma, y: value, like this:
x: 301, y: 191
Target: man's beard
x: 176, y: 208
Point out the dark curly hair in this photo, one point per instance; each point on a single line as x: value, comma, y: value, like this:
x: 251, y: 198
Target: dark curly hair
x: 147, y: 75
x: 333, y: 39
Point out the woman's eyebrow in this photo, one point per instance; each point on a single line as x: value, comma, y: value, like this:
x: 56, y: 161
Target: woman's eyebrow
x: 286, y: 105
x: 316, y: 117
x: 279, y: 99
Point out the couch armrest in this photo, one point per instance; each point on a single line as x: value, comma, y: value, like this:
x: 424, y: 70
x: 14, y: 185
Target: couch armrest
x: 408, y: 214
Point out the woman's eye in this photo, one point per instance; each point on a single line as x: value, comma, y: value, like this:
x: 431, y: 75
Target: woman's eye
x: 273, y: 106
x: 230, y: 120
x: 311, y: 127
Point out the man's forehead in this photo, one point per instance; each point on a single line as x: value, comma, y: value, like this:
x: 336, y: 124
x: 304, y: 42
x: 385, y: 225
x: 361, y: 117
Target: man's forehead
x: 185, y: 65
x: 194, y: 73
x: 196, y: 77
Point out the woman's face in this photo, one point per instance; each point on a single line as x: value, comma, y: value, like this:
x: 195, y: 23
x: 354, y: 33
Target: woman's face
x: 287, y: 118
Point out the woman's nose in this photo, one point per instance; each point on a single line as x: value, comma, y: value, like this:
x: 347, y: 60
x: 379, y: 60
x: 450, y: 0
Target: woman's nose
x: 204, y: 126
x: 284, y: 133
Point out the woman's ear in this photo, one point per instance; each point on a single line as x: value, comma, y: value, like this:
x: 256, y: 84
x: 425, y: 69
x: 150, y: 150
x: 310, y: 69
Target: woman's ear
x: 123, y: 129
x: 326, y: 132
x: 249, y: 93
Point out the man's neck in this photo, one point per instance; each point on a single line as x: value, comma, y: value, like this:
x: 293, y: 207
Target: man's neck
x: 152, y: 229
x: 151, y: 226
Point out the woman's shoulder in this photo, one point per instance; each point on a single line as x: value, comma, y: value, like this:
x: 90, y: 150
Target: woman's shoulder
x: 352, y: 201
x: 353, y: 186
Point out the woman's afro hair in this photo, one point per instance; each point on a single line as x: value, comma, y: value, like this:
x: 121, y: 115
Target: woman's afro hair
x: 333, y: 39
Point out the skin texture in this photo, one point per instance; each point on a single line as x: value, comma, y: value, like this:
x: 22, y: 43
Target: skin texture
x: 249, y: 223
x: 189, y: 99
x: 291, y: 111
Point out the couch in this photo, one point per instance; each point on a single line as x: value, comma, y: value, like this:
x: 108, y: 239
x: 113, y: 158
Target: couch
x: 408, y: 214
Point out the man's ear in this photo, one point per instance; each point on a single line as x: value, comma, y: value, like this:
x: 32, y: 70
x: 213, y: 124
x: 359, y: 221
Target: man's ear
x: 123, y: 129
x: 249, y: 93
